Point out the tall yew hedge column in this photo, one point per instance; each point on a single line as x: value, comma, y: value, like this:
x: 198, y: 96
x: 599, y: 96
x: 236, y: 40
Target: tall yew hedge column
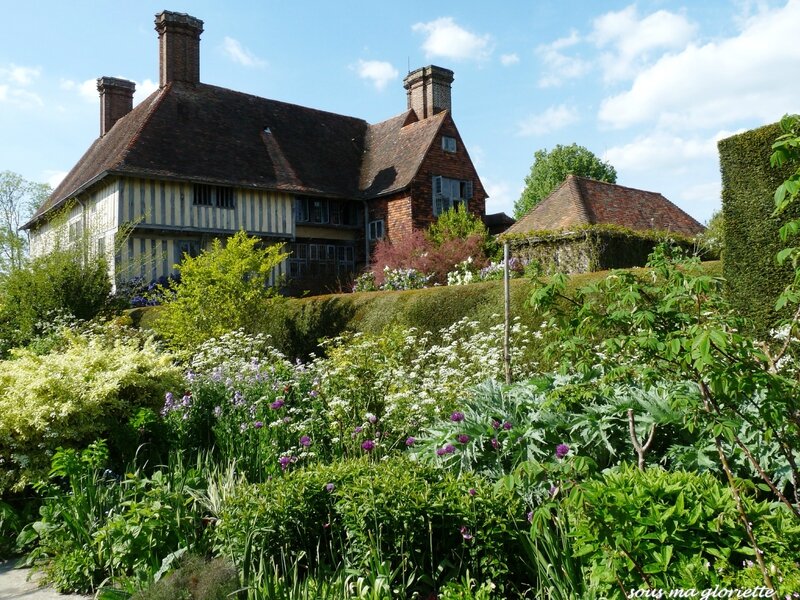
x: 751, y: 232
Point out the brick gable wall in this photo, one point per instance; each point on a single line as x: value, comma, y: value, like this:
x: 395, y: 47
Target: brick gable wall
x: 456, y: 165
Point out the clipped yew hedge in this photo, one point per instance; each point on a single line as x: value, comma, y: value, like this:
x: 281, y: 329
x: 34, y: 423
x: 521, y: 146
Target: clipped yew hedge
x: 300, y: 323
x: 751, y: 231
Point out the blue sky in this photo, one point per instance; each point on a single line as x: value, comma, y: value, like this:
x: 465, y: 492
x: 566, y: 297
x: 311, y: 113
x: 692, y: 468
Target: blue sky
x: 649, y: 86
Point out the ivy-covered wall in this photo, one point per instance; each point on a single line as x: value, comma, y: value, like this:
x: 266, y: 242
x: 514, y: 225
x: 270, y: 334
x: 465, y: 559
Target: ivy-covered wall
x: 588, y: 249
x: 751, y: 232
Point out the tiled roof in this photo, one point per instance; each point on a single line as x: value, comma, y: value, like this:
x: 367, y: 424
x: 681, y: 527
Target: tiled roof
x: 583, y: 201
x: 394, y: 151
x: 211, y: 134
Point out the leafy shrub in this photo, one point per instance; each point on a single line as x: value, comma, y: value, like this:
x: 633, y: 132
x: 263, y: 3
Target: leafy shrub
x: 416, y: 251
x: 71, y: 396
x: 654, y: 529
x: 101, y: 527
x: 225, y: 288
x: 61, y: 282
x: 196, y: 578
x: 413, y: 517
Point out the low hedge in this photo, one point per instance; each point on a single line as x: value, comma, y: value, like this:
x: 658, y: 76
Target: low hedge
x: 300, y: 323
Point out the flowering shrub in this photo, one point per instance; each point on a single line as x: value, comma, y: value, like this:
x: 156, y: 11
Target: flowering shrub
x: 247, y: 402
x: 405, y: 379
x: 404, y: 279
x: 467, y: 271
x: 392, y: 279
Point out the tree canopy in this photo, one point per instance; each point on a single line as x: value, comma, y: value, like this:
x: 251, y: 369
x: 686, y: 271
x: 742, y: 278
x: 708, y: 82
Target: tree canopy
x: 551, y: 168
x: 19, y: 199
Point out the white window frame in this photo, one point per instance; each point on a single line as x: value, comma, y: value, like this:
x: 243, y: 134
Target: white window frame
x: 449, y: 193
x: 376, y: 230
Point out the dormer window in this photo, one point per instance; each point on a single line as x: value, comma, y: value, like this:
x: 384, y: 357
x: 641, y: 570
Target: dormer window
x: 448, y: 143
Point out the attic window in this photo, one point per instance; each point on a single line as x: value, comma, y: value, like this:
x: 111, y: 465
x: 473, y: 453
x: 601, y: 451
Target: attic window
x: 213, y: 195
x: 448, y: 143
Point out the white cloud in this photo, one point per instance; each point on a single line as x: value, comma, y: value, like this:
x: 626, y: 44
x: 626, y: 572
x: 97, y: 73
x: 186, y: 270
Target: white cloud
x: 502, y: 196
x: 634, y: 42
x: 558, y: 67
x: 86, y: 89
x: 377, y: 72
x: 13, y: 81
x: 742, y: 77
x: 509, y: 59
x: 19, y: 75
x: 555, y: 117
x: 143, y: 90
x: 53, y: 178
x: 234, y: 50
x: 701, y: 194
x: 443, y: 38
x: 659, y: 151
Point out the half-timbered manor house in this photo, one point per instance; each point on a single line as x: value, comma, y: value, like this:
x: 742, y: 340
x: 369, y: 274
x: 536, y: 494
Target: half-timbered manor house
x: 194, y: 162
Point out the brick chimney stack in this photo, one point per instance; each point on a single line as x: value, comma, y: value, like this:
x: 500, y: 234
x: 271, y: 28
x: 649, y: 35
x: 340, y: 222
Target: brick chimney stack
x: 178, y: 47
x: 116, y: 101
x: 428, y: 90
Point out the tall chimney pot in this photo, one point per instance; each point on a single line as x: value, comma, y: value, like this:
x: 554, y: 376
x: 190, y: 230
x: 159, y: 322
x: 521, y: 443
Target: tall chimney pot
x: 428, y: 90
x: 178, y: 47
x: 116, y: 101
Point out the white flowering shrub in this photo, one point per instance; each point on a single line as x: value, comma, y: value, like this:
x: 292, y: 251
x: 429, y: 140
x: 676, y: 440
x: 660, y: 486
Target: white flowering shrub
x: 404, y: 279
x: 467, y: 271
x: 464, y: 272
x: 400, y: 381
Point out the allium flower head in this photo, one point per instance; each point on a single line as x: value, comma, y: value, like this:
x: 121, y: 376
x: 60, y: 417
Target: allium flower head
x: 472, y: 491
x: 457, y: 417
x: 507, y: 425
x: 463, y: 438
x: 495, y: 443
x: 305, y: 441
x: 284, y: 462
x: 277, y: 404
x: 329, y: 487
x: 258, y: 424
x: 410, y: 441
x: 562, y: 450
x: 446, y: 449
x: 367, y: 445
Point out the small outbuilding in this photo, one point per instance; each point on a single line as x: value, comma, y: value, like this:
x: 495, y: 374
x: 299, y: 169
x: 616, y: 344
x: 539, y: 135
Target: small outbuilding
x: 588, y: 225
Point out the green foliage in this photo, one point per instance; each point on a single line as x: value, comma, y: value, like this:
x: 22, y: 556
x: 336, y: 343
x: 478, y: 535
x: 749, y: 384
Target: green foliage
x: 755, y: 280
x: 58, y: 283
x: 196, y: 578
x: 246, y: 404
x: 423, y: 523
x: 659, y: 530
x: 97, y: 526
x: 73, y: 395
x: 226, y: 288
x: 456, y: 223
x: 18, y: 201
x: 787, y: 149
x: 712, y: 240
x: 551, y: 168
x: 591, y: 247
